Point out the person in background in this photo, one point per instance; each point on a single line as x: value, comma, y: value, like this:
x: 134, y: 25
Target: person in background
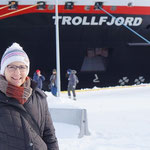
x: 38, y: 78
x: 25, y: 121
x: 72, y: 82
x: 53, y: 82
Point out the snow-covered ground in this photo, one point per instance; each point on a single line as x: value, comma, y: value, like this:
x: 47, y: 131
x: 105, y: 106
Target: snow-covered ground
x: 118, y: 119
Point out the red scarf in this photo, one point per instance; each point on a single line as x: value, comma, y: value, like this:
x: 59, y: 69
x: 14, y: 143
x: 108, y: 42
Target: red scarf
x: 21, y: 93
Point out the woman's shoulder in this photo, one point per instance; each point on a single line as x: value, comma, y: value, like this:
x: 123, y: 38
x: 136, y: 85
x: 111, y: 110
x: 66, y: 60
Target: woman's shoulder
x: 40, y: 93
x: 37, y: 91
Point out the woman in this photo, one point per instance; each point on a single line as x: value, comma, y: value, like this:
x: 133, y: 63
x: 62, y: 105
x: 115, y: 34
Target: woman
x: 25, y: 123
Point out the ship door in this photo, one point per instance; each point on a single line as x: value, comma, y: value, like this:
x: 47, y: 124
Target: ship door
x: 95, y: 60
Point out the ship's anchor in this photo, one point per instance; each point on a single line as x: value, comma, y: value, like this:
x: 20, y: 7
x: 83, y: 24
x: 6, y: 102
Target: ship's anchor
x: 96, y: 80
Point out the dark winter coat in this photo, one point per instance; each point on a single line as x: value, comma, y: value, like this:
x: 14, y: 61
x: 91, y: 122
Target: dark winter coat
x: 53, y: 80
x: 16, y: 133
x: 39, y: 80
x: 72, y: 79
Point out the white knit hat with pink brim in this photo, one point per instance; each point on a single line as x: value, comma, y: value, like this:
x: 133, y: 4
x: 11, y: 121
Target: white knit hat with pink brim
x: 12, y: 54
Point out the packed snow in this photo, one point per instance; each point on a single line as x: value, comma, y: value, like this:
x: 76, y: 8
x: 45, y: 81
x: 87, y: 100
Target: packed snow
x: 118, y: 119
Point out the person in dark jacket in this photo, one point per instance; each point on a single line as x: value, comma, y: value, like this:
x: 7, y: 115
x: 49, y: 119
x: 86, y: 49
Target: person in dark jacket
x: 72, y: 82
x: 38, y: 78
x: 53, y: 83
x: 25, y: 122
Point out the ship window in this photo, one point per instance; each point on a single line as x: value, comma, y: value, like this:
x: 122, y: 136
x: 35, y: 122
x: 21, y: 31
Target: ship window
x: 95, y: 60
x: 41, y: 5
x: 87, y: 7
x: 51, y: 7
x: 113, y: 8
x: 69, y: 5
x: 130, y: 4
x: 13, y: 5
x: 98, y: 5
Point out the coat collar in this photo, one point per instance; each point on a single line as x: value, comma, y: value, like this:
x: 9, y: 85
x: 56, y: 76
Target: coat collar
x: 8, y: 101
x: 13, y: 102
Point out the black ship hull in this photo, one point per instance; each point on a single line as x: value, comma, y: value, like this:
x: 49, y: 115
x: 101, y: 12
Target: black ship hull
x: 104, y: 53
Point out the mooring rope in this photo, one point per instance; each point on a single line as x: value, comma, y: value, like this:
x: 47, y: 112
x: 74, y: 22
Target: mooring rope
x: 126, y: 26
x: 5, y: 6
x: 10, y: 13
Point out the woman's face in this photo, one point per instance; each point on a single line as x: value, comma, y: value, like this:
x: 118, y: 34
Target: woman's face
x: 16, y: 73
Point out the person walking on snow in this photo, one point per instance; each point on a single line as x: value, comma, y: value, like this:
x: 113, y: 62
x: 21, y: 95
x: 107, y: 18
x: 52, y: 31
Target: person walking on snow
x: 72, y: 82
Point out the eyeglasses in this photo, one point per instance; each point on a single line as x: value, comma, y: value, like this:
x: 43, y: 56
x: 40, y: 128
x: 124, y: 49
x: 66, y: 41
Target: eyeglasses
x: 13, y: 68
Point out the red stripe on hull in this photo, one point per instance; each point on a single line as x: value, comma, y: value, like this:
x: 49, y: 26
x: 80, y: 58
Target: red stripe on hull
x: 77, y: 10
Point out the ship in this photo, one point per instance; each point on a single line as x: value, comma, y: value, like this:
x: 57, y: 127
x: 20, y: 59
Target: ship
x: 106, y: 41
